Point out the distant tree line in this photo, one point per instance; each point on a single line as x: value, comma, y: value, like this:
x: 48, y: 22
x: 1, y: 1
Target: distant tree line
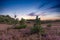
x: 50, y: 21
x: 7, y: 19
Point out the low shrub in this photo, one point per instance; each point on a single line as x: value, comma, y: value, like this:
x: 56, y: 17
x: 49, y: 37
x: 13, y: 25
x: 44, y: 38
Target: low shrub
x: 41, y: 30
x: 37, y: 30
x: 34, y: 30
x: 49, y: 25
x: 20, y: 27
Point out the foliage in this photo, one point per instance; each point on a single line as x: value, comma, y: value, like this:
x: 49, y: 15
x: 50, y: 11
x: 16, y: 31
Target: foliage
x: 49, y: 25
x: 37, y: 30
x: 6, y: 19
x: 22, y: 21
x: 20, y: 26
x: 37, y: 21
x: 37, y: 26
x: 16, y: 21
x: 15, y: 16
x: 34, y: 30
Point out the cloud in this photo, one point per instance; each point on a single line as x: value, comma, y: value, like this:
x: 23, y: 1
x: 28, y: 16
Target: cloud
x: 42, y: 14
x: 44, y: 3
x: 56, y: 6
x: 32, y: 14
x: 38, y: 13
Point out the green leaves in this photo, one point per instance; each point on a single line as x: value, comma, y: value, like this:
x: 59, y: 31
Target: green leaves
x: 22, y: 21
x: 20, y: 27
x: 49, y: 25
x: 22, y: 24
x: 37, y: 28
x: 34, y: 29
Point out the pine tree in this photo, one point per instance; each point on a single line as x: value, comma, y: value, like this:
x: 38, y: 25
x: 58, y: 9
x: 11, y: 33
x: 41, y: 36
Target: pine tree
x: 38, y: 26
x: 22, y: 21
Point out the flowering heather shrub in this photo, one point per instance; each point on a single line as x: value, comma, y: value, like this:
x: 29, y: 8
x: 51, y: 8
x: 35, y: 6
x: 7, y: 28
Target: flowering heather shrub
x: 59, y: 33
x: 15, y: 34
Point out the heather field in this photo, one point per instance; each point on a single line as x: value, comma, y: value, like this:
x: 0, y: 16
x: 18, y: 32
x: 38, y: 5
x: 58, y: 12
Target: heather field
x: 29, y: 19
x: 52, y: 33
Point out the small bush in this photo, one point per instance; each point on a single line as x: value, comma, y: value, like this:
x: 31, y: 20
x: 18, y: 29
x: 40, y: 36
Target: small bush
x: 34, y: 30
x: 22, y: 21
x: 20, y: 27
x: 41, y: 30
x: 37, y: 30
x: 49, y: 25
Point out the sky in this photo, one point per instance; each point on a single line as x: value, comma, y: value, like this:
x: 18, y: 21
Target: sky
x: 28, y: 9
